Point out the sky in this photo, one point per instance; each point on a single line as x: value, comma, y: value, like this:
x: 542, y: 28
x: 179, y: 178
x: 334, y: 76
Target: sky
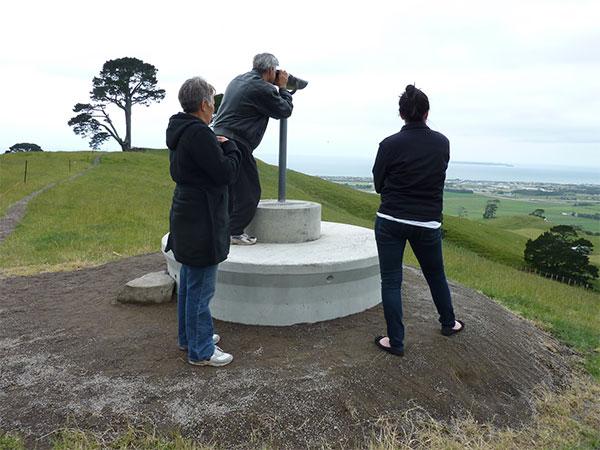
x: 510, y: 82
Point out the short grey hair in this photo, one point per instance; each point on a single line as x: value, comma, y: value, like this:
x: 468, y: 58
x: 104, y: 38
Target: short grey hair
x: 264, y: 61
x: 192, y: 92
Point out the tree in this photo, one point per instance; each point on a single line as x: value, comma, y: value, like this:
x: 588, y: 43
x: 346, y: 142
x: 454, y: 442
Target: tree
x: 490, y: 209
x: 538, y: 213
x: 122, y: 82
x: 560, y: 252
x: 24, y: 147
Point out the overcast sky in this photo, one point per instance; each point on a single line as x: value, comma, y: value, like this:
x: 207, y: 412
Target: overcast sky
x: 511, y: 81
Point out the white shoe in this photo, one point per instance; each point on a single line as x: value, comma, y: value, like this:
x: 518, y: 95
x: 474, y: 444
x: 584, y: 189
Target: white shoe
x: 242, y: 239
x: 219, y: 358
x: 216, y: 339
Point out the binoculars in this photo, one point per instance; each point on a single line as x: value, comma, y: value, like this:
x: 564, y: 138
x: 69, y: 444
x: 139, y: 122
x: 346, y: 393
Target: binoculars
x: 294, y: 83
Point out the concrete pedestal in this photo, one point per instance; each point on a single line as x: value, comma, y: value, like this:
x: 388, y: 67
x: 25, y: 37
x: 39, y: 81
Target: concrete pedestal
x: 286, y: 222
x: 284, y: 284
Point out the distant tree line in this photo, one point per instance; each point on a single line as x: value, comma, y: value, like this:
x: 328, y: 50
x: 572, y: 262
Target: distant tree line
x: 459, y: 191
x: 595, y: 216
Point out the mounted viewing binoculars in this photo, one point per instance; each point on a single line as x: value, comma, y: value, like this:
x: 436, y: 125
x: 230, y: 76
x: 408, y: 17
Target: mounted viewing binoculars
x: 294, y: 83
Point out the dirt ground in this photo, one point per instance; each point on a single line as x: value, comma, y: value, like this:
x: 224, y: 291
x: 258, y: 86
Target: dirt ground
x: 71, y: 356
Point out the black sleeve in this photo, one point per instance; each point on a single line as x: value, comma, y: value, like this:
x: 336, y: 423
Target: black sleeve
x: 220, y: 162
x: 379, y: 169
x: 274, y: 103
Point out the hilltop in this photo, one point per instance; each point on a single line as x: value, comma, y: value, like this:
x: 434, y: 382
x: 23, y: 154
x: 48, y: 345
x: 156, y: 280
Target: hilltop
x: 71, y: 354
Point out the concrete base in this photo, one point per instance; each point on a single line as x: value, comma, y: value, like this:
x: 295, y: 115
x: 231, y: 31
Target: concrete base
x: 284, y: 284
x: 287, y: 222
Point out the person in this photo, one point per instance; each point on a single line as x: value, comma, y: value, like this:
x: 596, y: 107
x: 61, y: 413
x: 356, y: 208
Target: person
x: 202, y: 166
x: 248, y: 103
x: 409, y: 173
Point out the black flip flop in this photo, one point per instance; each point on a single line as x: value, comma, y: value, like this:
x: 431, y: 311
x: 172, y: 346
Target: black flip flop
x: 449, y: 331
x: 392, y: 350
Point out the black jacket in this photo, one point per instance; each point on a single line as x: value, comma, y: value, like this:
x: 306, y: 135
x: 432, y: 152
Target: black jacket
x: 202, y: 169
x: 409, y: 173
x: 247, y: 104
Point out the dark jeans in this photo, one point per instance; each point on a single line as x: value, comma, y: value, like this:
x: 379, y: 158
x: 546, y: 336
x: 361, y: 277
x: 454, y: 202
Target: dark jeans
x: 244, y: 193
x: 196, y: 289
x: 427, y: 246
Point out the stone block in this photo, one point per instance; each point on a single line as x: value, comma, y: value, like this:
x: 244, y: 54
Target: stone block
x: 155, y: 287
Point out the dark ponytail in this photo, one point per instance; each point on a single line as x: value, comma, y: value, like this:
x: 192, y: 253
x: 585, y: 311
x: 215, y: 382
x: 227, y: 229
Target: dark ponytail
x: 413, y: 104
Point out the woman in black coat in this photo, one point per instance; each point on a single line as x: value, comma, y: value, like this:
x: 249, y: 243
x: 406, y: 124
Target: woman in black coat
x: 409, y: 173
x: 202, y: 165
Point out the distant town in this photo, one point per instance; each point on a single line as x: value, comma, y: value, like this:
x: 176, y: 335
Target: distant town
x: 510, y: 189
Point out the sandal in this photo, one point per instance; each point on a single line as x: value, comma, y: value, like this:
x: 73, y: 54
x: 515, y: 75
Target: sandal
x: 392, y: 350
x: 449, y: 331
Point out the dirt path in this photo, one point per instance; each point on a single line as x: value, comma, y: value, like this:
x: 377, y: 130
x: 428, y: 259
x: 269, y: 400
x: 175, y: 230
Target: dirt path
x: 71, y: 355
x: 15, y: 213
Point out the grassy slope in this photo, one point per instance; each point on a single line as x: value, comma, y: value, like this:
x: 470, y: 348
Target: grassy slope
x: 121, y: 208
x: 118, y: 208
x: 475, y: 205
x: 42, y: 169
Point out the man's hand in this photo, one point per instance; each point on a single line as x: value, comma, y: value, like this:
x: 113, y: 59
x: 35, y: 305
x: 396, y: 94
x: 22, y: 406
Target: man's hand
x: 222, y: 139
x: 281, y: 79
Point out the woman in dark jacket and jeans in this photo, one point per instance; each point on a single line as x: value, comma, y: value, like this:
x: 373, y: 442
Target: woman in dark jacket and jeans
x: 409, y: 173
x: 202, y: 165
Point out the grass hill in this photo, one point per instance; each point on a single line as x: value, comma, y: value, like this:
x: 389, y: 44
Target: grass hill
x: 120, y: 208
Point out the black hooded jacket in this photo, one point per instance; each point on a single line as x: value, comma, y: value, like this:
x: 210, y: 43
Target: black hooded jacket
x: 409, y: 173
x: 202, y: 169
x: 247, y: 104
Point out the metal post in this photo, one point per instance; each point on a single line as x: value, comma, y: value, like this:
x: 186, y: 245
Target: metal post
x: 282, y: 158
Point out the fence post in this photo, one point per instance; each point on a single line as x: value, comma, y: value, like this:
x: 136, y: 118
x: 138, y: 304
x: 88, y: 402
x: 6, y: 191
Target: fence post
x: 25, y: 174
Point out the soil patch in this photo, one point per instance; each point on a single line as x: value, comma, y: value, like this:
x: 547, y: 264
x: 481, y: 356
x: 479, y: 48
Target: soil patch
x: 71, y: 355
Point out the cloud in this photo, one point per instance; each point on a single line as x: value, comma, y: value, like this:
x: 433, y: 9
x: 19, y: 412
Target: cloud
x: 512, y: 74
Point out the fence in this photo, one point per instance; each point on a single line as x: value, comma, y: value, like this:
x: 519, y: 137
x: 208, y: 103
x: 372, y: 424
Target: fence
x: 559, y: 278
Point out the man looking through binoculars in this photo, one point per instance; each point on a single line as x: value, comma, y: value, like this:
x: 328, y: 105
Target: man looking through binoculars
x: 249, y: 101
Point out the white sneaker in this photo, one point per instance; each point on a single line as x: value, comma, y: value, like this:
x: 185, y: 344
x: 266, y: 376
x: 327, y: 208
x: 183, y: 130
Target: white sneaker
x: 216, y: 339
x: 219, y: 358
x: 242, y: 239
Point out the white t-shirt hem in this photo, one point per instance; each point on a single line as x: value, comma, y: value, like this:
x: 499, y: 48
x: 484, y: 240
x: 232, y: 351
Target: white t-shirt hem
x: 431, y: 224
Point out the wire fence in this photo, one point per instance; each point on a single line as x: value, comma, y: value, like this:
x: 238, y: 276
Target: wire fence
x: 559, y: 278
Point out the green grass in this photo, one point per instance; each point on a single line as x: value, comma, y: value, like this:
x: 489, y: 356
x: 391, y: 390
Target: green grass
x: 43, y: 168
x: 475, y: 205
x: 120, y: 208
x: 11, y: 441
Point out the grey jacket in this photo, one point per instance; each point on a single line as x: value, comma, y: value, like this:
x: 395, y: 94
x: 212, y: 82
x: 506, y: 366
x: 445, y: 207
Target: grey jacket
x: 248, y: 103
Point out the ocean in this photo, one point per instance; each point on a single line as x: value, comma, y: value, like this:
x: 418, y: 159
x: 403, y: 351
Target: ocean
x: 321, y: 166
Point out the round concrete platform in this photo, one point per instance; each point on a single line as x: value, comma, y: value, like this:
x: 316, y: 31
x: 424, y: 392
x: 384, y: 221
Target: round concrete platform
x: 284, y: 284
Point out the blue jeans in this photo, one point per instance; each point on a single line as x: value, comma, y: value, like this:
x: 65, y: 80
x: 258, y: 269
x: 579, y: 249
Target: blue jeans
x: 196, y: 289
x: 426, y: 244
